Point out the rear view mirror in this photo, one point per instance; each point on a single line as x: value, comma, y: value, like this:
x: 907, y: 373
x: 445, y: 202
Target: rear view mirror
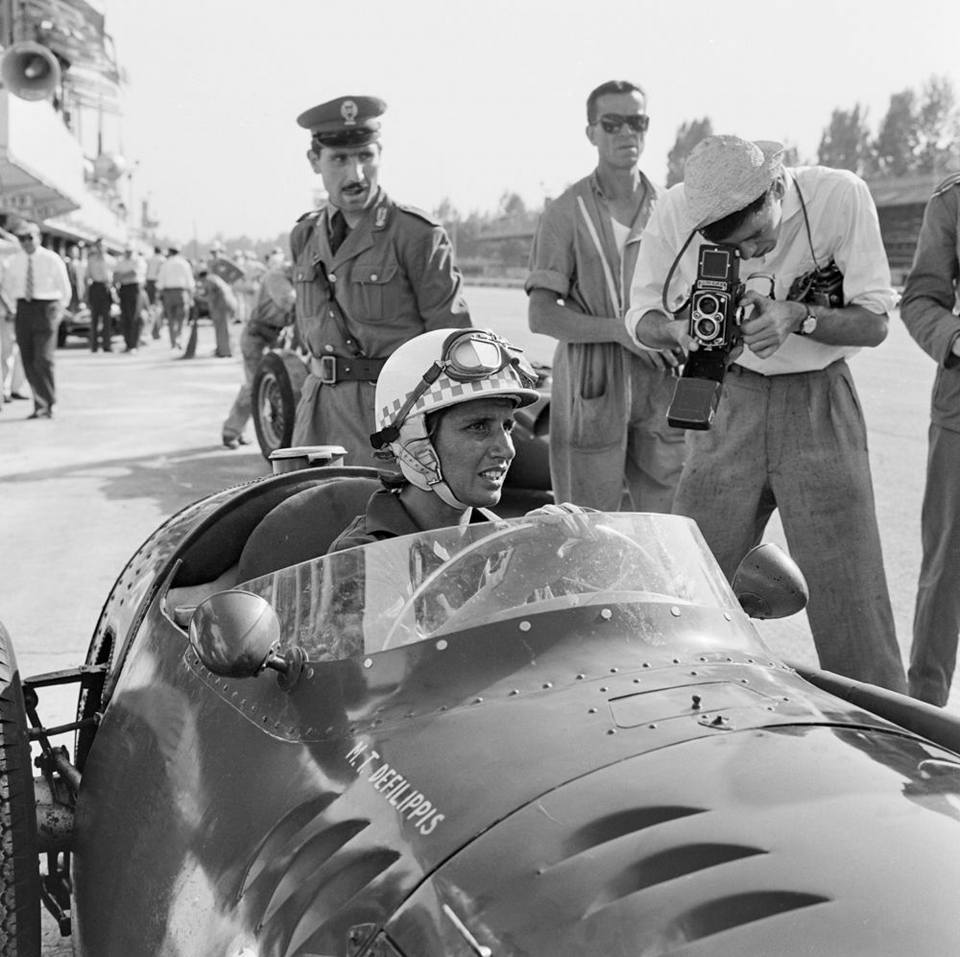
x: 768, y: 583
x: 234, y: 633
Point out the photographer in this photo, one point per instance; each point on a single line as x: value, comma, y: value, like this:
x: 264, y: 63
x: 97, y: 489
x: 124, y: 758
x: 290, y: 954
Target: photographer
x: 788, y: 433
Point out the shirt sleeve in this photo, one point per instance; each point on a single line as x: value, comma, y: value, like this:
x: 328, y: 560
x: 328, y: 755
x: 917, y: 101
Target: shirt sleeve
x: 659, y: 245
x: 552, y: 263
x: 62, y: 280
x: 437, y: 283
x: 861, y: 255
x: 929, y: 296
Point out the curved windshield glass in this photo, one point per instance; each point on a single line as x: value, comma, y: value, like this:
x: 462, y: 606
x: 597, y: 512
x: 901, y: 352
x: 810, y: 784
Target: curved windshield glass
x: 403, y: 590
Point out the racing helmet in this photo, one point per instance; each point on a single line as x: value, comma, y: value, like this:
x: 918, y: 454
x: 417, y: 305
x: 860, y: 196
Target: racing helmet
x: 434, y: 371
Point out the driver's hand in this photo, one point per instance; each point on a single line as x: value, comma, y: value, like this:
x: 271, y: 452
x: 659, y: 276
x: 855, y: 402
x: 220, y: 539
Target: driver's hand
x: 572, y: 517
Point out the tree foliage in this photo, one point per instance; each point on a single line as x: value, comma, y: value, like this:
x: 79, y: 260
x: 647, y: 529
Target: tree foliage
x: 845, y: 143
x: 688, y: 136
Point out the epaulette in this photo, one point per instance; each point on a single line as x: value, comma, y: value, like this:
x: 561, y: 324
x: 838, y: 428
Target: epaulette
x: 313, y: 213
x: 953, y: 180
x: 420, y: 214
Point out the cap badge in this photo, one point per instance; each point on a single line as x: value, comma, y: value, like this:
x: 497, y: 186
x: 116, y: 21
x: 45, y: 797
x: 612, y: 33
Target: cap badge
x: 348, y: 110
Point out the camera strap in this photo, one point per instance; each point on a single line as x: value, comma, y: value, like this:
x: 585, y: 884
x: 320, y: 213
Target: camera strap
x: 806, y: 222
x: 670, y: 272
x: 613, y: 289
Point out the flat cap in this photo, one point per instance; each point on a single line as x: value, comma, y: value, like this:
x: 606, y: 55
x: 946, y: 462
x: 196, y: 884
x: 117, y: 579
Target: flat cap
x: 345, y: 121
x: 724, y: 174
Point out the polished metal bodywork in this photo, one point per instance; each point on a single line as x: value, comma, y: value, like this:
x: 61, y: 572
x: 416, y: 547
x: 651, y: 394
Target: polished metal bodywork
x: 614, y: 778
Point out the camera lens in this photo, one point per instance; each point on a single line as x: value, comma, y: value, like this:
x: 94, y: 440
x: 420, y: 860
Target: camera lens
x: 707, y: 305
x: 706, y: 329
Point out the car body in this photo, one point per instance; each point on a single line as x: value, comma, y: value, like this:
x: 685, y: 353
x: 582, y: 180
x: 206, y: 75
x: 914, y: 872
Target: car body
x: 551, y: 735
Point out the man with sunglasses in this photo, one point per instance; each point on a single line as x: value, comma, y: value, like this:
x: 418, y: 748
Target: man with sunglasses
x: 370, y: 274
x: 788, y: 433
x: 38, y: 282
x: 608, y: 430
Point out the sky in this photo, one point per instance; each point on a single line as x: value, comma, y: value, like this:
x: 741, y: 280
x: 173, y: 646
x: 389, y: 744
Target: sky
x: 482, y: 97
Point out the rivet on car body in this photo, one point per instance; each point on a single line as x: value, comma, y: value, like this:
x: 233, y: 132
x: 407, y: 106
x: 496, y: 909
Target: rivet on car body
x: 652, y: 726
x: 728, y: 616
x: 368, y: 662
x: 604, y: 690
x: 696, y: 702
x: 606, y: 614
x: 441, y: 644
x: 614, y: 671
x: 514, y: 691
x: 478, y: 700
x: 581, y: 677
x: 547, y: 684
x: 524, y: 626
x: 611, y: 730
x: 591, y: 710
x: 675, y: 611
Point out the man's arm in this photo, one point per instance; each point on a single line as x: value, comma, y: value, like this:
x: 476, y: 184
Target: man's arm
x: 929, y: 296
x: 436, y: 282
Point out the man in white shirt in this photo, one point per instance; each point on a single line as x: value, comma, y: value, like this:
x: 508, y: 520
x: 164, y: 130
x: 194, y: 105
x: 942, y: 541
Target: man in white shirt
x: 37, y: 281
x: 788, y: 433
x: 176, y: 286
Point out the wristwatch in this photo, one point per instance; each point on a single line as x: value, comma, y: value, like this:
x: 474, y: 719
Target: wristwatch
x: 808, y: 325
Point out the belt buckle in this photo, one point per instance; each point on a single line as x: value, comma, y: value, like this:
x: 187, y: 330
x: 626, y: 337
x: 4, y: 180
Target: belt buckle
x: 328, y: 370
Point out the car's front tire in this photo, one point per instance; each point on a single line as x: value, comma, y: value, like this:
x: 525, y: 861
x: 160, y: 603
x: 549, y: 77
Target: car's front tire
x: 20, y: 884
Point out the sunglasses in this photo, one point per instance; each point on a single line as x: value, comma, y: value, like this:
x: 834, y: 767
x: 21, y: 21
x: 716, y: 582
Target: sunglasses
x: 614, y: 122
x: 23, y: 237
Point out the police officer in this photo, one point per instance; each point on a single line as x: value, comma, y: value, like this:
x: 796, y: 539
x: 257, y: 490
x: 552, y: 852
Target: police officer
x: 370, y: 274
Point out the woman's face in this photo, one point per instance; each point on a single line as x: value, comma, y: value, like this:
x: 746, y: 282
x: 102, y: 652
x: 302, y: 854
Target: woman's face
x: 475, y: 448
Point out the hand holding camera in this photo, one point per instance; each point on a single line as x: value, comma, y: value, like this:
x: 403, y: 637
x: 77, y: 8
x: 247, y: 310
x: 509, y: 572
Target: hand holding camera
x: 769, y: 323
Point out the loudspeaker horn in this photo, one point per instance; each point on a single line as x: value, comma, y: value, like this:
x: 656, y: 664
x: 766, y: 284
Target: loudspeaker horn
x: 29, y: 70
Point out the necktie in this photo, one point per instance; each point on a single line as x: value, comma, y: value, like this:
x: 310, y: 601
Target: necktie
x: 28, y: 290
x: 338, y: 231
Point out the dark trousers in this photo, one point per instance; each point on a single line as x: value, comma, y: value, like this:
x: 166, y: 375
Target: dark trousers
x: 100, y: 301
x: 36, y: 328
x: 130, y: 313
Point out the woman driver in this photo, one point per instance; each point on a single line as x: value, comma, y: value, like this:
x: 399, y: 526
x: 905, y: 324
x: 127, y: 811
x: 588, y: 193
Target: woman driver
x: 444, y: 409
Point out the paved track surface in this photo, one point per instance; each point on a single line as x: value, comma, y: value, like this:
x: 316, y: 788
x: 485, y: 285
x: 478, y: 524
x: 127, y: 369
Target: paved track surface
x: 137, y: 437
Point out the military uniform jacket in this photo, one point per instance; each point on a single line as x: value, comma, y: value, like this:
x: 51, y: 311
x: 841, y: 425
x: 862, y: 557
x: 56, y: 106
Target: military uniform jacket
x: 393, y: 276
x: 929, y: 304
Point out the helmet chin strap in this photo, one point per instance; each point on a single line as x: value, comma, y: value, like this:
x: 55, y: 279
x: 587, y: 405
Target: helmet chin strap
x: 420, y: 464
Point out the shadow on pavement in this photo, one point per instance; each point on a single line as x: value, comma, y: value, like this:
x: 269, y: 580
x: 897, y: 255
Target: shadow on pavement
x: 171, y: 480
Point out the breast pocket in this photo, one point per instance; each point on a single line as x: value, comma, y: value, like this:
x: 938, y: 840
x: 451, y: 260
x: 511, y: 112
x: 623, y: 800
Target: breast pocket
x: 376, y: 290
x: 309, y: 290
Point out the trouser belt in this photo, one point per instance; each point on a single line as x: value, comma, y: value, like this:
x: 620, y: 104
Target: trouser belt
x: 333, y: 369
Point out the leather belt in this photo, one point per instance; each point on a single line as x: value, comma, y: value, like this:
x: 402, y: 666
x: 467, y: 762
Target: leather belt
x: 333, y: 369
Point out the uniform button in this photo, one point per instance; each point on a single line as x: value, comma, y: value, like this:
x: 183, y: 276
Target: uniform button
x: 373, y: 277
x: 332, y: 277
x: 328, y: 347
x: 332, y: 316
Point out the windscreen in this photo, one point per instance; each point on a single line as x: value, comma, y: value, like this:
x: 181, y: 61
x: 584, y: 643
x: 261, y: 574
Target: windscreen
x: 403, y: 590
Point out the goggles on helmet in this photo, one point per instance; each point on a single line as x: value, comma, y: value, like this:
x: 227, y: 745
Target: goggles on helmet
x: 467, y: 356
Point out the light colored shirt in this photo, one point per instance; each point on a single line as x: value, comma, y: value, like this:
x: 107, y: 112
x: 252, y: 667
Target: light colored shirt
x: 100, y: 268
x: 50, y: 279
x: 153, y: 266
x: 845, y: 228
x: 175, y: 273
x: 129, y: 271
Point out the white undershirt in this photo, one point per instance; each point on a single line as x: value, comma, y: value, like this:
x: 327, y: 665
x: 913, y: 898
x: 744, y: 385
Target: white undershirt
x: 621, y: 234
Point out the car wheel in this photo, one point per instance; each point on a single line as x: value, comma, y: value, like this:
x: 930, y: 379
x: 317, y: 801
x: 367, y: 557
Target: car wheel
x: 20, y: 890
x: 276, y: 392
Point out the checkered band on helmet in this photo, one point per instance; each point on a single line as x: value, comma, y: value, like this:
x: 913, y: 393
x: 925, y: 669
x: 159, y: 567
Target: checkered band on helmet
x: 445, y: 392
x: 403, y: 374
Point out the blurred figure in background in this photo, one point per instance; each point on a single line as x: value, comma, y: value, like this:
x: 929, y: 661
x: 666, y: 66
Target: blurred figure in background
x: 12, y: 379
x: 100, y: 296
x: 36, y: 278
x: 176, y: 286
x: 273, y: 310
x: 130, y: 274
x: 156, y: 310
x: 222, y: 304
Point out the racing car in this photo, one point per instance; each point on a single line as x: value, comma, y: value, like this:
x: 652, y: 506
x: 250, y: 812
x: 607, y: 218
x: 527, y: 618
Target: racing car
x: 537, y: 736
